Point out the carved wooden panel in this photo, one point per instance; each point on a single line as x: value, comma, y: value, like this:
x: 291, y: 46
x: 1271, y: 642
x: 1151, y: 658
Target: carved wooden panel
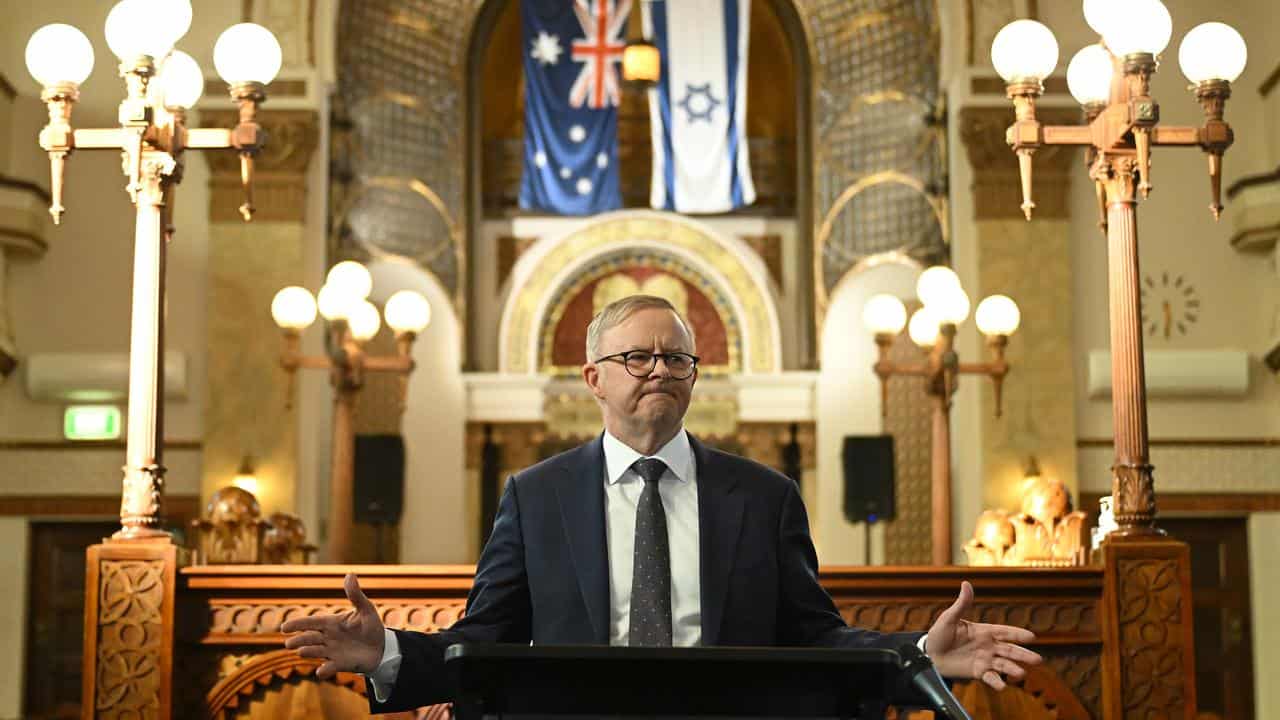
x: 281, y: 684
x: 1150, y: 671
x: 238, y: 611
x: 1043, y: 618
x: 243, y: 622
x: 1041, y: 695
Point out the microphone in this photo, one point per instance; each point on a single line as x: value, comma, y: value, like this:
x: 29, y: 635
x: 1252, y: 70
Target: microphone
x: 918, y: 672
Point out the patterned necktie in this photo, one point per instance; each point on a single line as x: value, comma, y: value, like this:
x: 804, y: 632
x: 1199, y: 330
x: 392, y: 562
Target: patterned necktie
x: 651, y: 572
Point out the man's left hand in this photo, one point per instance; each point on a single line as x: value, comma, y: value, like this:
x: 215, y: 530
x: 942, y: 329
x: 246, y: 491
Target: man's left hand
x: 963, y: 649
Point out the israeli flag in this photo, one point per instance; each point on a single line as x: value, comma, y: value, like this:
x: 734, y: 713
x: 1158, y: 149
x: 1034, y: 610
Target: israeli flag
x: 698, y: 111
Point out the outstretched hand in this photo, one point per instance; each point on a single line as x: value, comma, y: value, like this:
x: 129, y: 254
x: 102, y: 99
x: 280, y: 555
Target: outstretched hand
x: 349, y: 642
x: 963, y: 649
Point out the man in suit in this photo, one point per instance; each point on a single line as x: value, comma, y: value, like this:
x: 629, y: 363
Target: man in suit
x: 642, y: 536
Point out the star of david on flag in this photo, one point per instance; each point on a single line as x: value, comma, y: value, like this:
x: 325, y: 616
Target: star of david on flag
x: 698, y: 111
x: 572, y: 57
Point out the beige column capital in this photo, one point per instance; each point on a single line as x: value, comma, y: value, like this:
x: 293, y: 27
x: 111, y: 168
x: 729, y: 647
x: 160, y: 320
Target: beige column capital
x: 996, y: 190
x: 279, y: 170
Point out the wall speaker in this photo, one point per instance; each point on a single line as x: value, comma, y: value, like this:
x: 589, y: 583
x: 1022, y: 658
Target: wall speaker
x: 378, y: 492
x: 868, y: 478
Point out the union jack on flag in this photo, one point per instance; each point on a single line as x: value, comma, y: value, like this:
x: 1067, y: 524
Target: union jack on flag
x: 600, y: 51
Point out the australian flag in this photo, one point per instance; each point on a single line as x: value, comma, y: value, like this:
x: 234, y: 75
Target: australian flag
x: 572, y: 57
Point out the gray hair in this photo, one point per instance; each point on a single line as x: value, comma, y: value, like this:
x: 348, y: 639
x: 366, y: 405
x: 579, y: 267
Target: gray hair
x: 616, y: 312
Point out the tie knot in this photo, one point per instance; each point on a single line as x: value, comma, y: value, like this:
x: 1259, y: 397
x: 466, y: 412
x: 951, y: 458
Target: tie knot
x: 650, y: 469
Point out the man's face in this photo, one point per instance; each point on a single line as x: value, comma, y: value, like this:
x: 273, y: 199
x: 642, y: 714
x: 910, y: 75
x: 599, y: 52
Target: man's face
x: 656, y: 402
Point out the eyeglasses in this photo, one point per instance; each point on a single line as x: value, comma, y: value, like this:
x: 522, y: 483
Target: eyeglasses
x: 639, y: 363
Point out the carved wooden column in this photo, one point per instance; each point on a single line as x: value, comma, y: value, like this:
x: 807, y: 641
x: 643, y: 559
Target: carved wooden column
x: 129, y: 630
x: 245, y: 405
x: 1030, y: 262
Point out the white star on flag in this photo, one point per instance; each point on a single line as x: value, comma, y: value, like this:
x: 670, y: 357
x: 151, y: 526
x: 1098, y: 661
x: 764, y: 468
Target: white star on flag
x: 546, y: 49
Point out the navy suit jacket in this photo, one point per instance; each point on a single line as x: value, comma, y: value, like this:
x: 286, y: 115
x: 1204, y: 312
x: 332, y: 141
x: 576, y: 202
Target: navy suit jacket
x: 543, y: 577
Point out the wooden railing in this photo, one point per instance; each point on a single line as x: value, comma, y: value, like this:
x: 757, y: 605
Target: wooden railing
x: 229, y: 657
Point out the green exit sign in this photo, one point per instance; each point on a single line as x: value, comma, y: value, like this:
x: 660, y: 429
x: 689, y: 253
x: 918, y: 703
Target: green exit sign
x: 91, y: 422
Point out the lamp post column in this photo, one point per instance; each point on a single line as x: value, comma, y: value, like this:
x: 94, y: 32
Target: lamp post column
x: 941, y: 484
x: 141, y: 501
x: 1132, y: 484
x: 342, y: 474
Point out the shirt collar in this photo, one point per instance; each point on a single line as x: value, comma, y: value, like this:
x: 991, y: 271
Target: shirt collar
x: 618, y: 456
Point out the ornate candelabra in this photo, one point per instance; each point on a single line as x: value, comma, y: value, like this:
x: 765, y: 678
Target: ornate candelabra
x: 933, y: 328
x: 352, y: 321
x: 1111, y: 80
x: 161, y: 84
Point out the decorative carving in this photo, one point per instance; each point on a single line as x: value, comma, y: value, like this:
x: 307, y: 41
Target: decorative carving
x: 1135, y: 495
x: 1152, y: 649
x: 1077, y: 618
x: 270, y: 673
x: 1082, y: 673
x: 241, y: 619
x: 285, y: 540
x: 997, y: 190
x: 1149, y: 664
x: 232, y: 532
x: 141, y: 502
x: 532, y: 296
x: 241, y: 608
x: 1041, y: 695
x: 279, y: 182
x: 129, y: 639
x: 1047, y: 533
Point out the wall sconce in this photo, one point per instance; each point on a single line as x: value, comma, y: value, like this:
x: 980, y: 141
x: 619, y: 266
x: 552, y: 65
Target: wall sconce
x: 246, y: 476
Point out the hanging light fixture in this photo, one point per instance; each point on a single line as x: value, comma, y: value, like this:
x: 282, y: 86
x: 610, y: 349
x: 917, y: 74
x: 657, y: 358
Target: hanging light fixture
x: 641, y: 63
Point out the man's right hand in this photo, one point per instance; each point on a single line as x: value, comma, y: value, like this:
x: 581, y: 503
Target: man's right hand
x: 350, y: 642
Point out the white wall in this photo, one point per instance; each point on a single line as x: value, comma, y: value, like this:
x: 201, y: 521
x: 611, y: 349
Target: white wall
x: 848, y: 403
x: 13, y: 614
x: 434, y: 528
x: 1264, y: 577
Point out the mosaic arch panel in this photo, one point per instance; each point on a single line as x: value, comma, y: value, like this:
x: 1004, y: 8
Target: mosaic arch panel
x: 652, y: 272
x: 399, y: 180
x: 724, y: 270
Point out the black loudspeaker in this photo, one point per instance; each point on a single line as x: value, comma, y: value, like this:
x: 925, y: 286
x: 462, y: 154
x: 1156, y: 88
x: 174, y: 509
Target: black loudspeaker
x: 378, y: 492
x: 868, y: 478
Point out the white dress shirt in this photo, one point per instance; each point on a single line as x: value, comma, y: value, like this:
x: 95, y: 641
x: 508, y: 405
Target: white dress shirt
x: 678, y: 488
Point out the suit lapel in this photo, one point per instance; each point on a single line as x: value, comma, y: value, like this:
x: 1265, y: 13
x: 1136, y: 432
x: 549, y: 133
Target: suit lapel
x: 580, y: 493
x: 719, y: 524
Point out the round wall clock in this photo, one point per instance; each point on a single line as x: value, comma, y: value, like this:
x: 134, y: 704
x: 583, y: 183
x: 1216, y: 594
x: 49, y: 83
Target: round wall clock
x: 1169, y: 305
